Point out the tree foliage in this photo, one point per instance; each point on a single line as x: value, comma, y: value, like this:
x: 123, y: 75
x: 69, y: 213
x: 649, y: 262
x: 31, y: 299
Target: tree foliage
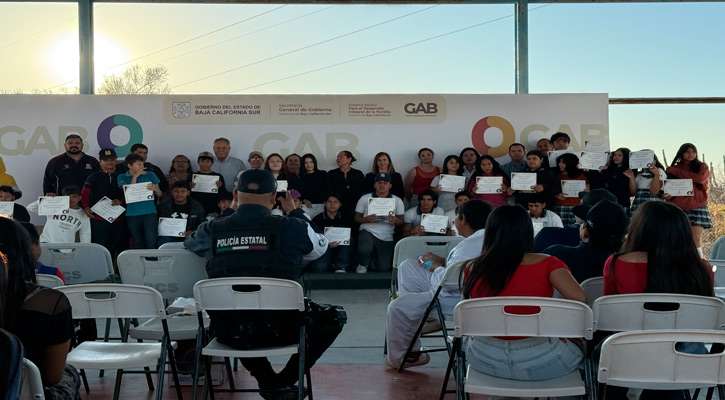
x: 137, y: 80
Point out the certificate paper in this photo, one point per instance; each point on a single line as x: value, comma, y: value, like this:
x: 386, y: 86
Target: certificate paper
x: 174, y: 227
x: 678, y: 187
x: 381, y: 207
x: 53, y: 205
x: 556, y: 153
x: 452, y: 183
x: 106, y: 210
x: 137, y: 192
x: 434, y: 223
x: 314, y: 210
x: 6, y: 208
x: 641, y: 159
x: 281, y: 186
x: 593, y: 161
x: 571, y: 188
x: 205, y: 183
x: 523, y: 180
x: 489, y: 184
x: 596, y: 146
x: 340, y: 235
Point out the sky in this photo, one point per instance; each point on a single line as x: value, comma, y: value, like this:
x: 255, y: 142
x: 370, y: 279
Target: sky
x: 625, y: 50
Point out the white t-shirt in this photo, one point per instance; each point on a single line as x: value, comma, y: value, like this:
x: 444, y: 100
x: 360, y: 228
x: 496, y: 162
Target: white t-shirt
x: 413, y: 218
x: 381, y: 230
x: 549, y: 219
x: 452, y: 225
x: 446, y: 200
x: 62, y: 228
x: 644, y: 182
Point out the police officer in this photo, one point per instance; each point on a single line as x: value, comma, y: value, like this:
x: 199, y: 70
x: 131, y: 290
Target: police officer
x: 251, y: 242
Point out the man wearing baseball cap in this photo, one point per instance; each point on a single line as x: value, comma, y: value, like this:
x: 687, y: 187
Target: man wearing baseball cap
x: 376, y: 230
x: 252, y: 242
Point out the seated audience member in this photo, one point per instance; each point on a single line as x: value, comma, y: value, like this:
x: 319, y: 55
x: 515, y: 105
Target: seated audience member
x: 508, y: 267
x: 540, y: 215
x: 427, y: 204
x: 8, y: 180
x: 567, y: 170
x: 376, y: 231
x: 180, y: 205
x: 40, y: 317
x: 451, y: 166
x: 180, y: 171
x: 225, y: 206
x: 143, y: 225
x: 100, y: 184
x: 208, y: 200
x: 337, y: 256
x: 601, y: 232
x: 461, y: 197
x: 658, y: 256
x: 547, y: 184
x: 20, y: 213
x: 487, y: 166
x: 569, y: 235
x: 62, y: 228
x: 314, y: 181
x: 417, y: 284
x: 383, y: 163
x: 34, y: 240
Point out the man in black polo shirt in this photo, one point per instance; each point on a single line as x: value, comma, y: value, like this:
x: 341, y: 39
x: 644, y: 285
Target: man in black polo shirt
x: 71, y: 168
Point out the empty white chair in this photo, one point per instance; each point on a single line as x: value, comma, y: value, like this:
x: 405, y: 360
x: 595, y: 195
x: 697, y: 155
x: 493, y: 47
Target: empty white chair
x: 31, y: 387
x: 594, y: 288
x: 172, y: 245
x: 79, y: 262
x: 50, y: 281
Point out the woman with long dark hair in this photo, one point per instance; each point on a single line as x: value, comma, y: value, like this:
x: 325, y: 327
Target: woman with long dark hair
x: 567, y: 166
x: 686, y: 165
x: 618, y: 177
x: 648, y: 183
x: 469, y: 157
x: 508, y: 267
x: 451, y: 166
x: 488, y: 166
x: 420, y: 177
x: 347, y: 181
x: 314, y: 181
x: 383, y: 163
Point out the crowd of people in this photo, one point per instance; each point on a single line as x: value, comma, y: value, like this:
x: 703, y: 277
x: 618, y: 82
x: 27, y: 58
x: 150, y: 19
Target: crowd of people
x: 559, y: 239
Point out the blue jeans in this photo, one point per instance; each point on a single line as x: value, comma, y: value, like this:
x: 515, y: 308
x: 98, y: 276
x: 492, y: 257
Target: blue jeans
x: 338, y: 258
x: 144, y: 230
x: 530, y: 359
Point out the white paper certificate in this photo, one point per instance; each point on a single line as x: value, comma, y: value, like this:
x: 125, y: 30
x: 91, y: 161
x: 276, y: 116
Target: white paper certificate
x: 340, y: 235
x: 596, y: 146
x: 593, y: 161
x: 556, y: 153
x: 678, y: 187
x: 137, y: 192
x: 452, y: 183
x: 381, y: 207
x: 106, y: 210
x: 641, y: 159
x: 281, y: 186
x: 174, y: 227
x: 523, y: 180
x: 6, y: 208
x: 571, y: 188
x: 313, y: 210
x: 205, y: 183
x: 489, y: 184
x: 53, y: 205
x: 434, y: 223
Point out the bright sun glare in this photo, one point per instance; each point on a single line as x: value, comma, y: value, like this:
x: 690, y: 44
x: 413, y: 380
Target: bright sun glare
x: 63, y: 58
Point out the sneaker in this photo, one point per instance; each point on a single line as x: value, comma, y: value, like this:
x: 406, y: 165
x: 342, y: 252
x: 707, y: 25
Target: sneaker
x: 280, y: 395
x: 414, y: 360
x: 340, y: 270
x: 431, y: 326
x: 361, y: 269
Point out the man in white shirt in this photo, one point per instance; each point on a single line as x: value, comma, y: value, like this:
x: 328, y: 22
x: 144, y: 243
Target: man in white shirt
x: 540, y: 215
x: 416, y: 285
x: 427, y: 204
x: 376, y: 231
x: 225, y: 164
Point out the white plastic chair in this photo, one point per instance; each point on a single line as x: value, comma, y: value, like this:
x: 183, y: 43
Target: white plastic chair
x: 449, y: 280
x: 559, y: 318
x: 718, y: 270
x: 121, y: 301
x: 31, y: 387
x: 173, y: 273
x: 718, y: 249
x: 79, y: 262
x: 172, y: 245
x: 594, y: 288
x: 648, y: 360
x: 251, y: 294
x: 49, y: 281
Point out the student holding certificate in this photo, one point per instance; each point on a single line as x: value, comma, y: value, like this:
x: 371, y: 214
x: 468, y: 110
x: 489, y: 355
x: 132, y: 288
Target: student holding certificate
x: 619, y: 178
x: 488, y: 167
x: 427, y: 204
x: 141, y: 215
x: 686, y: 165
x: 649, y: 182
x: 573, y: 181
x: 337, y: 256
x: 452, y: 168
x: 547, y: 184
x: 207, y: 196
x: 181, y: 206
x: 102, y: 184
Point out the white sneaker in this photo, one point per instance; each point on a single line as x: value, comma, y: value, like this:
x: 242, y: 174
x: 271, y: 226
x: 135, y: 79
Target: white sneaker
x: 340, y: 271
x: 361, y: 269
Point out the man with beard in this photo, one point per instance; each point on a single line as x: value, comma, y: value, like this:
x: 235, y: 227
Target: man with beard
x: 70, y: 168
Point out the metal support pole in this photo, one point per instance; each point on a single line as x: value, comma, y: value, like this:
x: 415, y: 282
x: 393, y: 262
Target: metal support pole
x: 522, y: 46
x: 85, y: 35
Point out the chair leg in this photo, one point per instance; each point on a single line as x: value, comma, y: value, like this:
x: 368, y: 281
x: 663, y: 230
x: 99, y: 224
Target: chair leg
x: 228, y: 365
x: 302, y: 364
x: 207, y: 381
x: 161, y: 370
x: 85, y: 381
x: 174, y: 371
x: 197, y: 365
x: 117, y: 388
x: 444, y: 389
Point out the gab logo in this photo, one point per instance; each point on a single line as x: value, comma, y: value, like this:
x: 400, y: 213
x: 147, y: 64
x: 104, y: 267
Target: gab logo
x: 104, y: 133
x: 427, y: 108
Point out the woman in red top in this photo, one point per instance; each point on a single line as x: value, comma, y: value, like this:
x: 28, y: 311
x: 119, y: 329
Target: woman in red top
x: 686, y: 165
x: 508, y: 268
x: 420, y: 177
x: 568, y: 171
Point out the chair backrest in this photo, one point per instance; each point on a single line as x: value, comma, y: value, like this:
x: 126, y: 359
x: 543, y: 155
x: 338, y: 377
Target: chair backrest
x: 718, y: 249
x: 648, y: 360
x: 249, y: 294
x: 449, y: 280
x: 110, y: 300
x: 493, y: 316
x: 594, y: 288
x: 172, y: 245
x: 172, y: 272
x: 414, y: 246
x: 644, y: 311
x: 79, y: 262
x: 31, y: 387
x: 718, y: 270
x: 50, y: 281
